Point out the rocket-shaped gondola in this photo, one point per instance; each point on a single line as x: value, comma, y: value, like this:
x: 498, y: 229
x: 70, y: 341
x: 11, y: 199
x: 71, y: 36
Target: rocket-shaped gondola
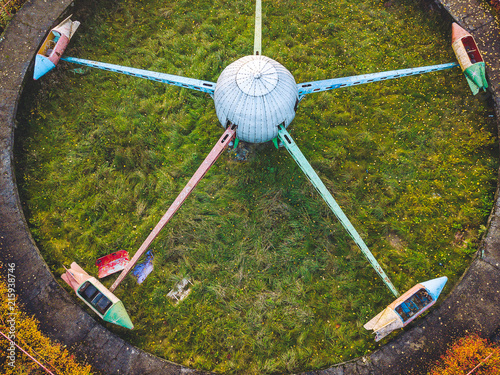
x: 54, y: 46
x: 469, y: 58
x: 97, y: 296
x: 406, y: 308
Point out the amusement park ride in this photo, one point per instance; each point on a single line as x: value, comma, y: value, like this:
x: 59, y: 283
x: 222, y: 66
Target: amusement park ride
x: 255, y: 100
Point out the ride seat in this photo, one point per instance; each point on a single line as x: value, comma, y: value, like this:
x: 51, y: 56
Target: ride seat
x: 88, y: 291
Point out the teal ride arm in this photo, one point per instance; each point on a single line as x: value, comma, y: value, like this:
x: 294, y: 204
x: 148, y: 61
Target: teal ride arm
x: 292, y: 148
x: 335, y: 83
x: 189, y: 83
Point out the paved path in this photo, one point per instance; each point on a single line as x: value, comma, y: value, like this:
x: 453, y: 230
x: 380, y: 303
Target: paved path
x: 472, y: 306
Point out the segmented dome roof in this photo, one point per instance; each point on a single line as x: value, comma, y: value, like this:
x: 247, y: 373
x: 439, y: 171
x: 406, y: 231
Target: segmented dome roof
x: 257, y: 94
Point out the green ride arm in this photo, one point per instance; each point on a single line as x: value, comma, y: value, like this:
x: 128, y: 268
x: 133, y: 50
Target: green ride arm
x: 299, y: 157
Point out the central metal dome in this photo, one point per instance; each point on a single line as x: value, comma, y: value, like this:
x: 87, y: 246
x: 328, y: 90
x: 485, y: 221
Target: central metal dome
x: 257, y: 94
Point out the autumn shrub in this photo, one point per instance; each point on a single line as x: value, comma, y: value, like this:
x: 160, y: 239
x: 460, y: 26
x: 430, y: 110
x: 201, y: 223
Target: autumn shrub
x: 472, y: 354
x: 24, y: 330
x: 496, y: 5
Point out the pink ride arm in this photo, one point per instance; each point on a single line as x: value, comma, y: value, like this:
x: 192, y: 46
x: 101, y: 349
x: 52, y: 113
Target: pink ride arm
x: 217, y: 150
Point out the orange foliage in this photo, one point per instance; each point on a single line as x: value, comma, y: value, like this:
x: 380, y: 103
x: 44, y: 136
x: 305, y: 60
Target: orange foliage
x: 496, y: 5
x: 467, y: 353
x: 24, y: 330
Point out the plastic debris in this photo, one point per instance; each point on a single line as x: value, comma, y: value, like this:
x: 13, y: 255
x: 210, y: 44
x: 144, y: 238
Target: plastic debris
x: 181, y: 290
x: 142, y: 270
x: 81, y: 71
x: 112, y: 263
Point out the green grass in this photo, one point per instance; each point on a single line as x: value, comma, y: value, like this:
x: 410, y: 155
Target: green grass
x: 278, y: 284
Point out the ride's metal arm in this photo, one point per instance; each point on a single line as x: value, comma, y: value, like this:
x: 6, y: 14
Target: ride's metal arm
x: 257, y: 41
x: 292, y: 148
x: 335, y: 83
x: 214, y: 154
x: 189, y: 83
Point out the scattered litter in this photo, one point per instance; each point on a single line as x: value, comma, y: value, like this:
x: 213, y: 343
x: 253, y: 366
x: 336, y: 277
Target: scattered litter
x: 81, y: 71
x: 241, y: 154
x: 181, y: 290
x: 142, y: 270
x: 112, y: 263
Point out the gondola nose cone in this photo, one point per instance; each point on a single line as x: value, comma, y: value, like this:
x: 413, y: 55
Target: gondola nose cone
x: 42, y: 66
x: 457, y: 32
x: 257, y: 94
x: 118, y: 315
x: 435, y: 286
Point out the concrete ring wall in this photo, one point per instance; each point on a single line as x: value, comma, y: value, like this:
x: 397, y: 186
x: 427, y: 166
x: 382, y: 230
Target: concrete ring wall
x: 473, y: 305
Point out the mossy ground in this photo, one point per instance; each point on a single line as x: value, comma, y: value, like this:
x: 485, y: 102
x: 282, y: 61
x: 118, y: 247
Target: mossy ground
x: 278, y: 284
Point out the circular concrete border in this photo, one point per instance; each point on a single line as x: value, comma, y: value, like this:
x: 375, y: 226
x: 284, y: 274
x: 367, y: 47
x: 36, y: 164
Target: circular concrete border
x: 473, y: 305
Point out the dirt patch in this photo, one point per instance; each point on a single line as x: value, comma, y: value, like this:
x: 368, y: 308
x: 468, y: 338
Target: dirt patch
x: 395, y: 241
